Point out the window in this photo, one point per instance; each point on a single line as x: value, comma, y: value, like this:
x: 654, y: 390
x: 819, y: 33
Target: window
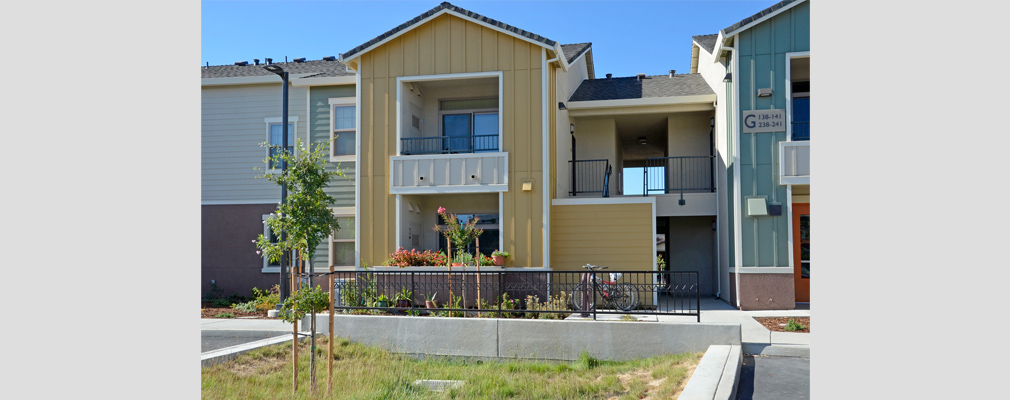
x: 343, y: 129
x: 805, y: 246
x: 488, y: 239
x: 469, y: 125
x: 342, y: 241
x: 275, y: 136
x: 801, y: 110
x: 269, y: 266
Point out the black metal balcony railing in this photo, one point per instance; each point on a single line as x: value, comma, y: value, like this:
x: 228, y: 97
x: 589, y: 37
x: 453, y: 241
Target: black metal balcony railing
x: 519, y: 294
x: 449, y: 144
x: 590, y: 176
x: 672, y: 174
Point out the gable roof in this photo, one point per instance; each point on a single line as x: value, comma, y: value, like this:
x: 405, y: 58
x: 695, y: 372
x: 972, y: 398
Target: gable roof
x: 416, y: 21
x: 706, y: 42
x: 632, y: 88
x: 315, y: 68
x: 573, y: 51
x: 766, y: 13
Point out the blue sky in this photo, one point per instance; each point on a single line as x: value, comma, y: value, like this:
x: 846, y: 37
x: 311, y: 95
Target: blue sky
x: 629, y: 37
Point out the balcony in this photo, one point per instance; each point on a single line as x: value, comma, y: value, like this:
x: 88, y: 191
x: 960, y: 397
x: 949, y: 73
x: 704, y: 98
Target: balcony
x: 461, y: 172
x: 449, y: 144
x: 794, y: 163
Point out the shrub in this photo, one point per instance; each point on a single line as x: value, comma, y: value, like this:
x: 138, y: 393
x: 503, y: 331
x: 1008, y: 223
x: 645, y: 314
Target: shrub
x: 553, y: 303
x: 793, y: 326
x: 216, y: 297
x: 304, y: 301
x: 413, y: 258
x: 225, y: 315
x: 262, y: 300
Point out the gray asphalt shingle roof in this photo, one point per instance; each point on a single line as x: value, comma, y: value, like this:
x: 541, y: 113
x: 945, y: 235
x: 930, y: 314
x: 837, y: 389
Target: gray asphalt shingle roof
x: 573, y: 51
x: 319, y: 68
x: 757, y: 16
x: 632, y: 88
x: 440, y: 7
x: 706, y: 42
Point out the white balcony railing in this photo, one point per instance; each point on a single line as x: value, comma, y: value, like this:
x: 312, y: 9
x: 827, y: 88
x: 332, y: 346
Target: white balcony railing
x: 449, y: 173
x: 794, y: 163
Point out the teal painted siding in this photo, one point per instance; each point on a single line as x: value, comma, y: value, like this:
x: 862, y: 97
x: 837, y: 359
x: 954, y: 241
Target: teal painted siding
x: 319, y: 131
x: 762, y: 64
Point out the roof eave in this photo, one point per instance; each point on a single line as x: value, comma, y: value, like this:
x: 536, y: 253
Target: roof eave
x: 648, y: 101
x: 441, y: 12
x: 248, y: 80
x: 763, y: 18
x: 326, y: 80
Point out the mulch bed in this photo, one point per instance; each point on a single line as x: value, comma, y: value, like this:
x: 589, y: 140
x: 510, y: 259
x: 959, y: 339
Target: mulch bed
x: 212, y: 312
x: 778, y: 324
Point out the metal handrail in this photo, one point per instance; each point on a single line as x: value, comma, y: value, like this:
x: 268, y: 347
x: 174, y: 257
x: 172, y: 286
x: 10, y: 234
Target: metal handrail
x: 679, y: 174
x: 449, y: 144
x: 589, y: 176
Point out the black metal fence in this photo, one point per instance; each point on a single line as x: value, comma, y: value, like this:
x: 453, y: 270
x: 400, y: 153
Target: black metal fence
x: 590, y: 176
x: 518, y: 294
x: 669, y: 174
x: 449, y: 144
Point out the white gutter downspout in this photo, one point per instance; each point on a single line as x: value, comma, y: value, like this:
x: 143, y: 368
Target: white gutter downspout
x: 544, y: 90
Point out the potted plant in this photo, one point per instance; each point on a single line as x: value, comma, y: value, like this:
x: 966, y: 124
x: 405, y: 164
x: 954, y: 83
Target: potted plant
x: 383, y: 301
x: 463, y: 259
x: 430, y: 302
x: 403, y: 298
x: 499, y: 257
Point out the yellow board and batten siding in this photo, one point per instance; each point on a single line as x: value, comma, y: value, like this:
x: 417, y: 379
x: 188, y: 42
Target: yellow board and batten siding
x: 618, y: 236
x: 450, y: 45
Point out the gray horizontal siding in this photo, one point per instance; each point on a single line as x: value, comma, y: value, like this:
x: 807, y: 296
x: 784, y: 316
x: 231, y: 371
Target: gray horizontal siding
x: 319, y: 129
x: 232, y: 128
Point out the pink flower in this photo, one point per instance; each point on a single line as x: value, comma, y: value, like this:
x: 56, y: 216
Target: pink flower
x: 257, y: 252
x: 441, y: 210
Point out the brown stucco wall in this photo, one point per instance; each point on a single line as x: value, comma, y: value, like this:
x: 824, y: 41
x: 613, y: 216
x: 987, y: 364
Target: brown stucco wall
x: 764, y: 291
x: 227, y: 254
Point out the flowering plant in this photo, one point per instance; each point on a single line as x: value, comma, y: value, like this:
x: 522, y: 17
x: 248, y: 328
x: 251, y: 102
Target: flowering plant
x: 458, y: 233
x: 413, y: 258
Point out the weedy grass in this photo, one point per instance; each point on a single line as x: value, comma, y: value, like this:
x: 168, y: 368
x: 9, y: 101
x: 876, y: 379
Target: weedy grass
x: 362, y: 372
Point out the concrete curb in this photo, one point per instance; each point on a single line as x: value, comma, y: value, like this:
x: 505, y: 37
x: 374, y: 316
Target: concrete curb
x: 780, y: 350
x: 717, y: 375
x: 229, y: 353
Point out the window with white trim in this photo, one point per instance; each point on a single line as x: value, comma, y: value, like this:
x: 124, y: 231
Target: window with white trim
x: 269, y: 266
x: 342, y: 242
x: 275, y: 136
x: 343, y: 128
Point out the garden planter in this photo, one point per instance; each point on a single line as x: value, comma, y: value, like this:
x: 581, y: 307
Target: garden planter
x: 403, y: 303
x: 382, y: 303
x: 429, y: 304
x: 499, y: 260
x: 457, y: 264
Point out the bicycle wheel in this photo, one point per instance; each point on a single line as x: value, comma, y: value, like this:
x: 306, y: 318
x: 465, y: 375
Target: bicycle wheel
x: 577, y: 297
x: 624, y: 297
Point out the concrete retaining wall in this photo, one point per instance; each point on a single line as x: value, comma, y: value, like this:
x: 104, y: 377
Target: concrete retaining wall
x: 524, y: 338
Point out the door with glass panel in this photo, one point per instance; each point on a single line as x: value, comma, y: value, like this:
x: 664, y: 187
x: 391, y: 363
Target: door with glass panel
x: 801, y: 251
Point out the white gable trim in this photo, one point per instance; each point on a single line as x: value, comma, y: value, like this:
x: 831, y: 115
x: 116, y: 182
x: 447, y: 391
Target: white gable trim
x: 760, y: 20
x: 436, y: 15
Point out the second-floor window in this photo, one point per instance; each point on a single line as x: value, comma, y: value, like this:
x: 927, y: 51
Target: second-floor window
x: 469, y: 125
x: 275, y: 137
x: 343, y: 129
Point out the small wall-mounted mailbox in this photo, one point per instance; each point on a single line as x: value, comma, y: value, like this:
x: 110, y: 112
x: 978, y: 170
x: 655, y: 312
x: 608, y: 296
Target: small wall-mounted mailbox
x: 764, y: 92
x: 756, y: 206
x: 527, y: 186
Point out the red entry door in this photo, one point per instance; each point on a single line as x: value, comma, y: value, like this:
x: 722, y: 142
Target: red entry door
x: 801, y: 251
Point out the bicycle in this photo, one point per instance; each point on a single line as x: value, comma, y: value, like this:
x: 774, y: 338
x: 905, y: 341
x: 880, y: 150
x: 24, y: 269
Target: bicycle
x: 620, y: 295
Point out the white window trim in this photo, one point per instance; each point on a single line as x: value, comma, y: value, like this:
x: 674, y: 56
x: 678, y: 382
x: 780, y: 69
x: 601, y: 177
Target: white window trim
x: 267, y: 269
x: 293, y: 120
x: 342, y: 102
x: 343, y: 212
x: 400, y: 80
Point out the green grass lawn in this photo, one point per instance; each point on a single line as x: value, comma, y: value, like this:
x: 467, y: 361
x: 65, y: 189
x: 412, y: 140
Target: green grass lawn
x: 361, y: 372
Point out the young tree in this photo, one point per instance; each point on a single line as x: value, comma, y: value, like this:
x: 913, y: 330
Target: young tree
x: 306, y: 220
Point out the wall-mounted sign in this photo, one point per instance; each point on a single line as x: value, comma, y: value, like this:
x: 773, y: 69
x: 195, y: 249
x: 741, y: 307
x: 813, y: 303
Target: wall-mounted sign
x: 764, y: 121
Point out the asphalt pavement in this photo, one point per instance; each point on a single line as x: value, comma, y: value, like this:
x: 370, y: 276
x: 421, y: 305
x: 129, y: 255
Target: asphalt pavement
x: 773, y: 377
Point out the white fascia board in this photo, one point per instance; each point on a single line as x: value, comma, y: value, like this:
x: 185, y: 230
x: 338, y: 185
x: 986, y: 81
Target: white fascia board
x: 248, y: 80
x: 450, y: 189
x: 794, y: 180
x: 444, y: 77
x: 436, y: 15
x: 760, y: 20
x: 447, y: 156
x: 327, y: 80
x: 238, y: 202
x: 562, y: 58
x: 604, y: 200
x: 717, y: 51
x: 762, y: 270
x: 651, y: 101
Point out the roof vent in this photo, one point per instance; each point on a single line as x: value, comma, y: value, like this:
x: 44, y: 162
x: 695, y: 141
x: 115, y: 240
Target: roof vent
x: 641, y: 76
x: 299, y: 60
x: 242, y: 63
x: 268, y: 61
x: 672, y: 71
x: 330, y: 58
x: 610, y: 76
x: 256, y: 61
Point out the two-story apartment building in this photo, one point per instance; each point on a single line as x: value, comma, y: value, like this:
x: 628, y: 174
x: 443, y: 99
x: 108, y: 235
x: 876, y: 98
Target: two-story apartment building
x: 454, y: 109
